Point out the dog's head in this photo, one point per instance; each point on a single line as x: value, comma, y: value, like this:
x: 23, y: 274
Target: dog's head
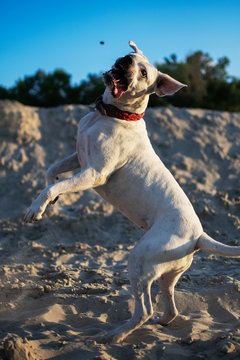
x: 132, y: 79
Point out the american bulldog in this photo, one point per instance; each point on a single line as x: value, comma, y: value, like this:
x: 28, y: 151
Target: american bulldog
x: 116, y: 159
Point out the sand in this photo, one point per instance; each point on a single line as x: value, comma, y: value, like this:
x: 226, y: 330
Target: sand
x: 63, y: 280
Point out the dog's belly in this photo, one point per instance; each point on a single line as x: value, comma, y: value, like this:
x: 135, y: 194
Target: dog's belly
x: 145, y: 192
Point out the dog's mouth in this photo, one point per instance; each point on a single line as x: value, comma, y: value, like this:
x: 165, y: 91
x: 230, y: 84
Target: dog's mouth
x: 117, y: 78
x: 117, y: 82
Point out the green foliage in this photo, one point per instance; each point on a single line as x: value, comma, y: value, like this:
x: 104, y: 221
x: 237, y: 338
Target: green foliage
x: 43, y: 89
x: 4, y: 93
x: 208, y: 83
x: 90, y: 89
x: 208, y: 86
x: 54, y: 89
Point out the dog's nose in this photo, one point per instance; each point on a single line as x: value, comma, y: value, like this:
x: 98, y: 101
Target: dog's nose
x: 125, y: 61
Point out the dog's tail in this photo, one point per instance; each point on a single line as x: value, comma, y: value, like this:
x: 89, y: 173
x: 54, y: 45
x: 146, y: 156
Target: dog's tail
x: 206, y: 243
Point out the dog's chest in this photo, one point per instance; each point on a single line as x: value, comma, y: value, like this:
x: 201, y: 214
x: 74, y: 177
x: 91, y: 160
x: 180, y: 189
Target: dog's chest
x: 84, y: 134
x: 108, y: 139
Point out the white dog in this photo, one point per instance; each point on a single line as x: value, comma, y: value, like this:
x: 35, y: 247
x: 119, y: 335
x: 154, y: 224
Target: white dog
x: 118, y: 161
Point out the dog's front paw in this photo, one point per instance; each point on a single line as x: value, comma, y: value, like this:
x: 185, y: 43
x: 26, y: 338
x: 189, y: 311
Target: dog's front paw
x: 35, y: 212
x: 32, y: 215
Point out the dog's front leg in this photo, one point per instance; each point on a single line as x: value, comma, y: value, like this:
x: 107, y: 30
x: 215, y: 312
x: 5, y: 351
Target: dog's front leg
x: 68, y: 164
x: 86, y: 179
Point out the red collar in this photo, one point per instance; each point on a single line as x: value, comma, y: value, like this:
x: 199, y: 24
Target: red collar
x: 113, y: 111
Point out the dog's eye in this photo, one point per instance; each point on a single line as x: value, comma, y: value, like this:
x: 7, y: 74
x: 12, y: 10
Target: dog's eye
x: 143, y: 73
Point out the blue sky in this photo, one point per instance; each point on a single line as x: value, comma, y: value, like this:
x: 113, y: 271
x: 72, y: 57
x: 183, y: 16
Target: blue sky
x: 66, y: 34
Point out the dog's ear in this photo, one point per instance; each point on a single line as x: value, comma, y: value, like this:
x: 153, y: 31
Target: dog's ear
x: 166, y: 85
x: 135, y: 48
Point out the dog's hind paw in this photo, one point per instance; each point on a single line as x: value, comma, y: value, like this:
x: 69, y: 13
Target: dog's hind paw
x: 110, y: 337
x: 163, y: 320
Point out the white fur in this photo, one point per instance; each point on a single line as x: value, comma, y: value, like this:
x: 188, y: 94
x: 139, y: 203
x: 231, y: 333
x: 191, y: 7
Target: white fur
x: 118, y: 161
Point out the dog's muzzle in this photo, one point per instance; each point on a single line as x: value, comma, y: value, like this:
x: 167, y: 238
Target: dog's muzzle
x: 118, y: 77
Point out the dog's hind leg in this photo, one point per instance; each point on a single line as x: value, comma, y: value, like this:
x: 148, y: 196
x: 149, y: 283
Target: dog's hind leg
x: 141, y: 275
x: 142, y: 312
x: 159, y: 254
x: 167, y: 283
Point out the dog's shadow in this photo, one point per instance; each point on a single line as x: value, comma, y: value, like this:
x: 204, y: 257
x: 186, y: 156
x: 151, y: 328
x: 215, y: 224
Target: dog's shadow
x: 181, y: 327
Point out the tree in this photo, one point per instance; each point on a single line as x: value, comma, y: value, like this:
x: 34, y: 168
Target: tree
x: 91, y: 89
x: 207, y: 81
x: 4, y: 93
x: 208, y: 86
x: 55, y: 88
x: 43, y: 89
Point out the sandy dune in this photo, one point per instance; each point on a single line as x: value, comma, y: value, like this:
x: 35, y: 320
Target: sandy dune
x: 63, y: 280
